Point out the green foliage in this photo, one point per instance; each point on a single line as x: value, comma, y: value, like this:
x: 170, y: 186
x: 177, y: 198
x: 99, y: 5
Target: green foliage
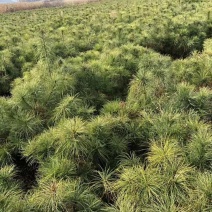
x: 137, y: 186
x: 163, y: 153
x: 63, y: 195
x: 71, y: 106
x: 57, y: 168
x: 10, y: 194
x: 200, y: 148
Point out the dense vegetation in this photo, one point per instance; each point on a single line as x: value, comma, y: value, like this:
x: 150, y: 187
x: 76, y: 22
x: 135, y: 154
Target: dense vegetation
x: 107, y: 107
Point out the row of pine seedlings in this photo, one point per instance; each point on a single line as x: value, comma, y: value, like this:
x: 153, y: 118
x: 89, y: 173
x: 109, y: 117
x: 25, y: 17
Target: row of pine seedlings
x: 107, y: 106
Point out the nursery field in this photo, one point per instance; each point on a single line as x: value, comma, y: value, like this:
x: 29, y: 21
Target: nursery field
x: 107, y: 106
x: 14, y: 6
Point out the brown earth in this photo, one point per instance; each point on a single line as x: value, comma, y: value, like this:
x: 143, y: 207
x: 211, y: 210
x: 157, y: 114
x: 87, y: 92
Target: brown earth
x: 4, y: 8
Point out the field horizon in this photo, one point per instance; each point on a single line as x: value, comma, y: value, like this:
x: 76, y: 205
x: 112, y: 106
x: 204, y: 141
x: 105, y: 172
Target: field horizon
x: 19, y: 6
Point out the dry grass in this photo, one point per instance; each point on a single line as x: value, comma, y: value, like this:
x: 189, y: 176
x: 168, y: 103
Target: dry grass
x: 4, y: 8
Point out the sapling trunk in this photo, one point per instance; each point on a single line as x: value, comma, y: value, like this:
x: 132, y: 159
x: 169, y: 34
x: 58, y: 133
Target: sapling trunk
x: 44, y: 46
